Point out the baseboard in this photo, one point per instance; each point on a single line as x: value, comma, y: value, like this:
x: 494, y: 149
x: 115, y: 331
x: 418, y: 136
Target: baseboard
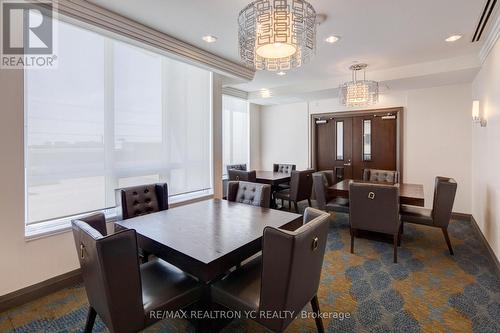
x: 38, y: 290
x: 461, y: 216
x: 490, y: 250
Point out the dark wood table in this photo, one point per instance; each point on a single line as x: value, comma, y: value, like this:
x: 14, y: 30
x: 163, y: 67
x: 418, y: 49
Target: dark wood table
x: 207, y: 238
x: 409, y: 194
x: 272, y: 178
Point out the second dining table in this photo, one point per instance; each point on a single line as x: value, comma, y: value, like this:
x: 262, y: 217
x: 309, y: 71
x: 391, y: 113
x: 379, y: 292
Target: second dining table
x: 409, y: 194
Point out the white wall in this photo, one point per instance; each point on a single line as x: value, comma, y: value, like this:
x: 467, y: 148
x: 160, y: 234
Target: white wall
x: 486, y: 151
x: 284, y: 135
x: 436, y: 138
x: 254, y: 119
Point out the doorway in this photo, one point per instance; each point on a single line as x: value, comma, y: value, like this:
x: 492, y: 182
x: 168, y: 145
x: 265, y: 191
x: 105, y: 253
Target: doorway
x: 349, y: 142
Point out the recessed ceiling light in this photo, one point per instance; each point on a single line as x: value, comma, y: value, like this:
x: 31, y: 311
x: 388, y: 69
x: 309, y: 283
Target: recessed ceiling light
x: 209, y: 39
x: 265, y: 93
x: 332, y: 39
x: 281, y: 73
x: 453, y: 38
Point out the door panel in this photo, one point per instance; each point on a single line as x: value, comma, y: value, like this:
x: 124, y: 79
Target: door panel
x: 348, y: 145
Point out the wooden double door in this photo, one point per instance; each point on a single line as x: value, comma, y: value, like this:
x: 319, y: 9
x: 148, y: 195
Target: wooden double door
x: 348, y: 144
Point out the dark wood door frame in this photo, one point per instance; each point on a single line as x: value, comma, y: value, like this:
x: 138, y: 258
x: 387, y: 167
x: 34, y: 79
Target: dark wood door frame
x: 379, y: 112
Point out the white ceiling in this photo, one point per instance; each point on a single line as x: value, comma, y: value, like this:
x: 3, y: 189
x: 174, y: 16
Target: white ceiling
x: 385, y: 34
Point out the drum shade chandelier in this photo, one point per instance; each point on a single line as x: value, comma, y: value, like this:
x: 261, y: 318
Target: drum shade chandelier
x: 277, y: 35
x: 358, y: 92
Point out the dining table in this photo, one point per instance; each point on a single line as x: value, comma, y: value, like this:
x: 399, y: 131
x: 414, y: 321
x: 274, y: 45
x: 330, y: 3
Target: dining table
x: 272, y: 178
x: 207, y: 238
x: 409, y: 194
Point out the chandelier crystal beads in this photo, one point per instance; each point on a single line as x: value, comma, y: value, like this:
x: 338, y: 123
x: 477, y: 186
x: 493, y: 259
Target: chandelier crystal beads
x: 277, y: 35
x: 357, y: 93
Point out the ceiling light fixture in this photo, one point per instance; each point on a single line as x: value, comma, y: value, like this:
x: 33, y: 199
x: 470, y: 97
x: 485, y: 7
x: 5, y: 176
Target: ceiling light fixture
x: 332, y: 39
x: 277, y: 35
x: 265, y: 93
x: 358, y: 92
x: 281, y: 73
x: 453, y: 38
x: 209, y: 39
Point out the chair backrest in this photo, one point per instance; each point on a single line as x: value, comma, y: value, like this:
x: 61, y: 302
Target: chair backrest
x: 374, y: 207
x: 96, y: 221
x: 254, y: 194
x: 110, y: 271
x: 284, y: 168
x: 301, y: 183
x: 141, y: 200
x: 444, y: 197
x: 321, y: 181
x: 241, y: 175
x: 383, y: 176
x: 242, y: 167
x: 291, y: 267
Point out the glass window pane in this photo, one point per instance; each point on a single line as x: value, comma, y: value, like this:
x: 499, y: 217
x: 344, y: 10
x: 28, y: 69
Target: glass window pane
x: 340, y: 140
x: 367, y: 140
x: 112, y: 115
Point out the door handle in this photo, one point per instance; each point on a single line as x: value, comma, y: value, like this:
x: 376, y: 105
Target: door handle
x: 347, y: 164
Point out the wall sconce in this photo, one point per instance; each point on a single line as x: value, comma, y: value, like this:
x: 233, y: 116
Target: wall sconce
x: 476, y: 118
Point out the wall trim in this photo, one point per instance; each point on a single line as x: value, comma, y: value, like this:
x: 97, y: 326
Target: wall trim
x: 40, y: 289
x: 485, y: 241
x: 235, y: 92
x: 100, y: 17
x: 490, y: 40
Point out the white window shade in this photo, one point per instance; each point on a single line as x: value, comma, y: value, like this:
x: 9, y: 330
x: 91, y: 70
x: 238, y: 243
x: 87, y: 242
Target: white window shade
x: 235, y: 124
x: 112, y: 115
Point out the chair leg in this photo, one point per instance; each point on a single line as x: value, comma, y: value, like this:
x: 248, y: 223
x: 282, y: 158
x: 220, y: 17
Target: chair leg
x: 400, y: 233
x: 317, y: 318
x: 352, y: 241
x: 296, y: 206
x: 395, y: 245
x: 309, y: 202
x: 289, y: 205
x: 90, y: 320
x: 447, y: 238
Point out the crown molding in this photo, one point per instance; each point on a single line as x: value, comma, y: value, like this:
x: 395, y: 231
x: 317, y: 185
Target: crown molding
x: 102, y: 18
x: 235, y: 92
x: 491, y: 39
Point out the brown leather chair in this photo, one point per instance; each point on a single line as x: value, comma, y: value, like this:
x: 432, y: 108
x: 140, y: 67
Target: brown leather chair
x: 249, y: 193
x: 240, y: 175
x: 442, y: 206
x: 382, y: 176
x: 242, y: 167
x: 141, y: 200
x: 285, y: 278
x: 284, y: 168
x: 322, y: 180
x: 124, y: 294
x: 375, y: 207
x: 300, y: 189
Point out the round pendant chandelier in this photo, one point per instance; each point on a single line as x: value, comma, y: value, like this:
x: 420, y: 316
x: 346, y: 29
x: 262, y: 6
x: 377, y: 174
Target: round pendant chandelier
x: 277, y: 35
x: 357, y: 93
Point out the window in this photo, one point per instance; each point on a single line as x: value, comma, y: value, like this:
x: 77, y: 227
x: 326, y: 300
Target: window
x: 367, y: 140
x: 112, y: 115
x: 340, y: 140
x: 235, y: 132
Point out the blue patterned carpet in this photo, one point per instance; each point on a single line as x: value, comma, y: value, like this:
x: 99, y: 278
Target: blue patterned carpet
x: 426, y: 291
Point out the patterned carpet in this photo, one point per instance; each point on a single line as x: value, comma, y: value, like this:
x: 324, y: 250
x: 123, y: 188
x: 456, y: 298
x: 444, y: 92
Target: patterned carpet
x: 427, y: 291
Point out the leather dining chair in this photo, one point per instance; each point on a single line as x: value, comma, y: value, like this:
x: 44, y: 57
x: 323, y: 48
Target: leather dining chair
x: 124, y: 293
x: 382, y: 176
x: 375, y: 207
x: 442, y: 206
x: 247, y: 176
x: 322, y: 180
x: 285, y: 278
x: 242, y: 167
x: 300, y: 189
x: 284, y: 168
x: 141, y: 200
x: 249, y: 193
